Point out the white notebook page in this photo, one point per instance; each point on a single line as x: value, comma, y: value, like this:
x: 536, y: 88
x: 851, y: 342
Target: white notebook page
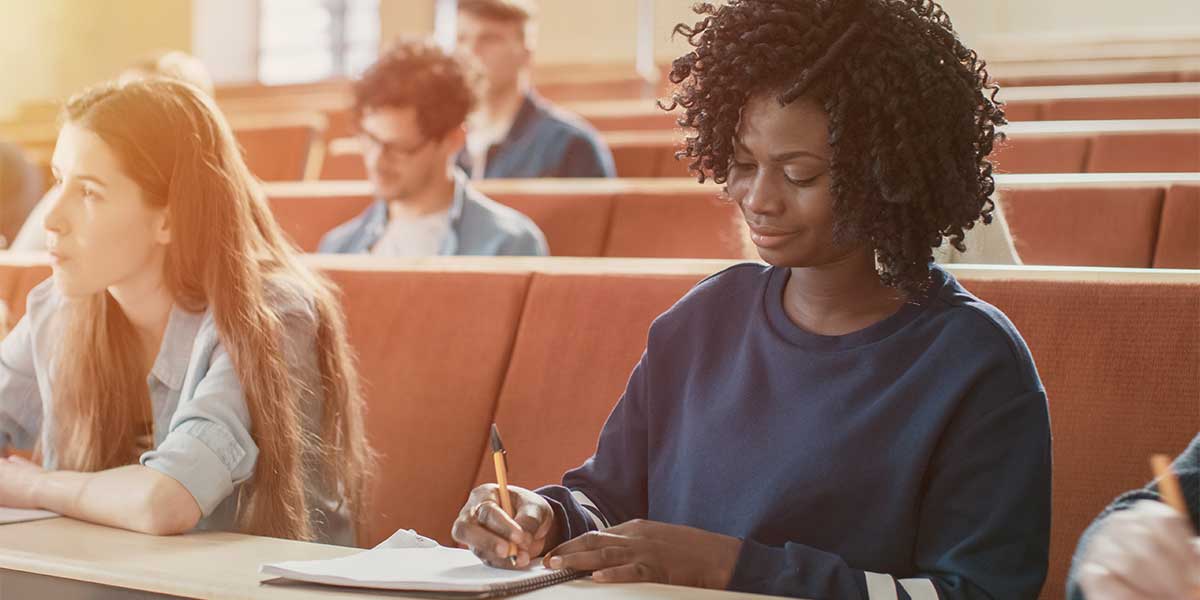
x: 436, y: 569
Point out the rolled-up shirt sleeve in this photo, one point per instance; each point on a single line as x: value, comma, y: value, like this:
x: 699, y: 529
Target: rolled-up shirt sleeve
x: 209, y: 449
x: 20, y: 400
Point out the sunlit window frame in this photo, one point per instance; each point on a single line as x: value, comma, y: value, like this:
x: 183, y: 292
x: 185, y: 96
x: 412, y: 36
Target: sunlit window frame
x: 341, y: 44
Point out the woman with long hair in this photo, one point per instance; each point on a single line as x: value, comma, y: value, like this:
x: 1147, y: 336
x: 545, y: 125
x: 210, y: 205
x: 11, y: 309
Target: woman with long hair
x: 846, y: 421
x: 181, y: 369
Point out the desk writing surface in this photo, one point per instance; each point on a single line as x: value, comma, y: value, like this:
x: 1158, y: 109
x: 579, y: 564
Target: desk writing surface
x: 217, y: 565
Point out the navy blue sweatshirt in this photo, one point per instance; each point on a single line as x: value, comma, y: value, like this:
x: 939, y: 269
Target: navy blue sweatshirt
x: 910, y: 456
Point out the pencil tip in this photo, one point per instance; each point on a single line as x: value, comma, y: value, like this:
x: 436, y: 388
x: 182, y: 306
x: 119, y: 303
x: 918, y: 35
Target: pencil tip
x: 497, y: 445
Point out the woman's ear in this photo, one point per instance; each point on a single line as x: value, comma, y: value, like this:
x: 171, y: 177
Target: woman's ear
x: 162, y: 229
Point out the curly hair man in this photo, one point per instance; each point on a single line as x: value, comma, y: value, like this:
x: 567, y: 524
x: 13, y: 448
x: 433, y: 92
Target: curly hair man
x: 411, y: 106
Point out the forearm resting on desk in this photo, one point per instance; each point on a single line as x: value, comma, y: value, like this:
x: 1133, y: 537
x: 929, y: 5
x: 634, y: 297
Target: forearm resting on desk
x: 131, y: 497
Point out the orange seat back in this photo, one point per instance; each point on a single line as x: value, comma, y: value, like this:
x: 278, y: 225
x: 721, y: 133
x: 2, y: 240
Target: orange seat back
x: 693, y: 225
x: 580, y: 337
x: 432, y: 349
x: 1109, y: 227
x: 1166, y: 152
x: 1118, y: 361
x: 1179, y: 232
x: 277, y: 153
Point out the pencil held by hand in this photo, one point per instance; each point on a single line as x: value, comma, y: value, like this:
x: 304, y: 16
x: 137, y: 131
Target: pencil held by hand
x: 1168, y: 485
x: 498, y: 457
x: 505, y: 526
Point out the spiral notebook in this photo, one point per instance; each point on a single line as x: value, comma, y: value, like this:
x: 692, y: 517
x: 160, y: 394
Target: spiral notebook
x: 424, y: 568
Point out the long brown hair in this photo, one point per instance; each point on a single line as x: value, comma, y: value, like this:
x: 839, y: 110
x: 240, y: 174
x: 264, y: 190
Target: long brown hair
x: 225, y: 248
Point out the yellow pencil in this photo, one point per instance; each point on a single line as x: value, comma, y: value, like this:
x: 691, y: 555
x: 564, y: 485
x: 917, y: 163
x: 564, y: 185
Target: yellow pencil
x: 498, y: 457
x: 1168, y: 485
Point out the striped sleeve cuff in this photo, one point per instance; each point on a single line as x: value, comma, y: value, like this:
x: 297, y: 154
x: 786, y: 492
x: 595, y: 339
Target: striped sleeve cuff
x: 798, y: 570
x: 598, y: 518
x: 884, y: 587
x: 573, y: 517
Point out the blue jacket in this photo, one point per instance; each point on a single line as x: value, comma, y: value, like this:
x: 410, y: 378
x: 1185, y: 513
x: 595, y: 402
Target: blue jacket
x: 479, y: 226
x: 546, y: 142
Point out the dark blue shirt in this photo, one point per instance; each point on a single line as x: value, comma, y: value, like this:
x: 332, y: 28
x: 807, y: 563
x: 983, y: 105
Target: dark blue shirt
x: 908, y: 456
x: 545, y: 141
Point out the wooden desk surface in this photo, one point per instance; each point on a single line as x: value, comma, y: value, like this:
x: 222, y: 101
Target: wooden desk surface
x: 225, y: 565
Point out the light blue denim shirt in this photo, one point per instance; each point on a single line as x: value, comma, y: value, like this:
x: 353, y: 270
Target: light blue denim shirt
x: 479, y: 226
x: 201, y: 421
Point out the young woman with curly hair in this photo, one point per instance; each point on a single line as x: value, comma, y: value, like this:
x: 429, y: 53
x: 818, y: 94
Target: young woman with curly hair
x: 181, y: 368
x: 847, y: 421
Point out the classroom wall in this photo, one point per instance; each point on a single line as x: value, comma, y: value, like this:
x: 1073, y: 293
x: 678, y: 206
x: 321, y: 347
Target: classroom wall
x: 583, y: 31
x: 405, y: 17
x: 975, y: 19
x: 52, y: 48
x: 225, y: 37
x: 579, y: 31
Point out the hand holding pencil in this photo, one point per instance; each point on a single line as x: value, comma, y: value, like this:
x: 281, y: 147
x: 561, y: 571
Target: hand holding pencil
x: 1149, y: 550
x: 505, y: 526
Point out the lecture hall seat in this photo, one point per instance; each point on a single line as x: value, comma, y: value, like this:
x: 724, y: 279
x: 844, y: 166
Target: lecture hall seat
x: 1178, y: 244
x: 1111, y: 227
x: 1165, y: 152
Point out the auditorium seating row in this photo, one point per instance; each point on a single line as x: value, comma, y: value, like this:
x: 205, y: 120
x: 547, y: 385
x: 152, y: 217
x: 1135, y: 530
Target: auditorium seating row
x: 1113, y: 219
x: 1081, y: 220
x: 581, y: 217
x: 1055, y: 103
x: 1119, y: 146
x: 1131, y: 146
x: 1104, y: 220
x: 584, y: 83
x: 1088, y: 45
x: 543, y: 347
x: 306, y: 145
x: 279, y: 150
x: 593, y: 82
x: 278, y: 146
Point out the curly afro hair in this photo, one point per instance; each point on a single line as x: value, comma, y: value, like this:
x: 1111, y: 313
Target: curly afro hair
x: 912, y: 113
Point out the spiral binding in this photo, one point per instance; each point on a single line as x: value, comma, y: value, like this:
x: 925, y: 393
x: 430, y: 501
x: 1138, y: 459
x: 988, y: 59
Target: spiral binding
x: 529, y: 585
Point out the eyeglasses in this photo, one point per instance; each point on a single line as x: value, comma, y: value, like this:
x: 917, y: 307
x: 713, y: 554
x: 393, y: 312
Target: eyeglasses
x: 390, y: 150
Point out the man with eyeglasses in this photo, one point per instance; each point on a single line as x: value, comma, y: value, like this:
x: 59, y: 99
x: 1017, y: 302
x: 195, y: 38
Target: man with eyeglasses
x: 410, y: 107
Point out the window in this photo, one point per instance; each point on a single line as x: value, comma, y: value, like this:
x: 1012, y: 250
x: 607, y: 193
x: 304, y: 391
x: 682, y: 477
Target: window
x: 310, y: 40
